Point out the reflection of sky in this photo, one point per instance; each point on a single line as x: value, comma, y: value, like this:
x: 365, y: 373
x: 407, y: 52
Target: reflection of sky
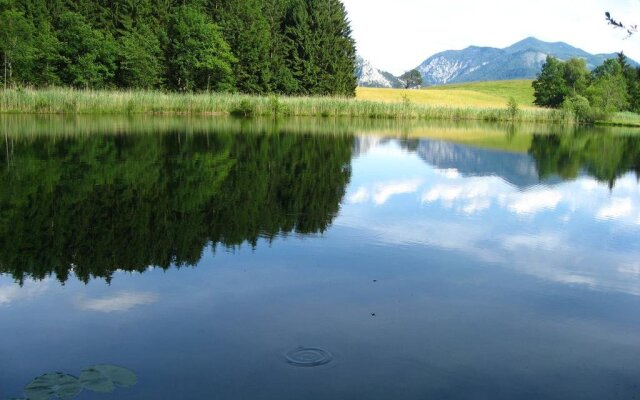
x: 482, y: 290
x: 577, y: 232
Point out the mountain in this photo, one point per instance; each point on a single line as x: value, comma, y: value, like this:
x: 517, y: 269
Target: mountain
x: 370, y: 76
x: 522, y: 60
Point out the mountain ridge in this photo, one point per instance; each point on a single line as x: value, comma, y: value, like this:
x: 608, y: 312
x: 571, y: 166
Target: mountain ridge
x: 521, y: 60
x: 370, y: 76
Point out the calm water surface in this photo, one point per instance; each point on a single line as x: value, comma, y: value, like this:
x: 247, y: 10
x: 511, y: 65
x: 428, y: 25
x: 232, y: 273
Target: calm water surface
x: 318, y: 260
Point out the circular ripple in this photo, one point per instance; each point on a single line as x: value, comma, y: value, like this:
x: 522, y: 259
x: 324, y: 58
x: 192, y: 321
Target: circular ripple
x: 308, y: 357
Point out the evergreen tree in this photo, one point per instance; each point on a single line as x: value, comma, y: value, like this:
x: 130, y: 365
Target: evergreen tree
x: 282, y: 79
x: 335, y: 49
x: 247, y: 32
x: 293, y: 47
x: 87, y: 55
x: 299, y: 47
x: 139, y: 59
x: 198, y: 56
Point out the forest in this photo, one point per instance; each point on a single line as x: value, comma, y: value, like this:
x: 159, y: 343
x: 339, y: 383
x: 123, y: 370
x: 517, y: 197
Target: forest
x: 590, y: 95
x: 293, y: 47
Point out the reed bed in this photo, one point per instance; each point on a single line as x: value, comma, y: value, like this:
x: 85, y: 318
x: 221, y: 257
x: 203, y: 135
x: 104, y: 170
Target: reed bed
x: 70, y: 101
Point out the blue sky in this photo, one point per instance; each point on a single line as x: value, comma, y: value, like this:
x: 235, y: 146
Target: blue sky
x: 399, y: 35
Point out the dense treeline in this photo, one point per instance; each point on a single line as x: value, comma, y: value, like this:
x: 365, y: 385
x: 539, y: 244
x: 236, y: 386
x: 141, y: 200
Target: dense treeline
x: 613, y: 86
x: 298, y: 47
x: 604, y: 157
x: 97, y: 204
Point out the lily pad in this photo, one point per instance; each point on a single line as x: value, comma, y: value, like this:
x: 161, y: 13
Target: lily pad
x: 105, y: 378
x: 53, y: 385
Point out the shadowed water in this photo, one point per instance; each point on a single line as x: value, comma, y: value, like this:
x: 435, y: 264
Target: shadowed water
x: 228, y: 259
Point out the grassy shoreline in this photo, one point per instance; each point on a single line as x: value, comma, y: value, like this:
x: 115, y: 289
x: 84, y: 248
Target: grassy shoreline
x: 70, y: 101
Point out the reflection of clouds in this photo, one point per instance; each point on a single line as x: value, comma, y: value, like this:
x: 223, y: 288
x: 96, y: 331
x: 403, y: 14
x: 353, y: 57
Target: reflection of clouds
x: 447, y: 235
x: 473, y: 194
x: 14, y: 292
x: 548, y: 242
x: 481, y: 217
x: 618, y: 208
x: 380, y: 193
x: 532, y: 202
x: 385, y: 191
x: 123, y: 301
x: 360, y: 196
x: 450, y: 173
x: 630, y: 269
x: 577, y: 280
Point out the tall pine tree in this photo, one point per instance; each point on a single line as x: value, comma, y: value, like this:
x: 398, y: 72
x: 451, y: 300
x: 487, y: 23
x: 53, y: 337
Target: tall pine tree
x: 246, y: 30
x: 296, y: 47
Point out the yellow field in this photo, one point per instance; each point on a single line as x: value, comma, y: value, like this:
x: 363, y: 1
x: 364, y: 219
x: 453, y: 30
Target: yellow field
x: 477, y: 94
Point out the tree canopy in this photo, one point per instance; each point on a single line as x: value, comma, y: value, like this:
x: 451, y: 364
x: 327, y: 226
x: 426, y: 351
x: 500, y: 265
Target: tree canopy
x: 611, y: 87
x: 412, y: 79
x: 298, y: 47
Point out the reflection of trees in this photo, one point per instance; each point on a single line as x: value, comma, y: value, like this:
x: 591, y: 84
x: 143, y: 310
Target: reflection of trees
x: 101, y: 203
x: 605, y: 157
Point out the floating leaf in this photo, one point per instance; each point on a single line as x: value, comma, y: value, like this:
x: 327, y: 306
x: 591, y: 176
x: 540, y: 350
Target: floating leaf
x: 53, y: 384
x: 94, y: 380
x: 105, y: 378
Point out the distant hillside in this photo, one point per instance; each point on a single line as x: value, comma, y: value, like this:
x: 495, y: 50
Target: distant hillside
x: 522, y: 60
x: 520, y: 90
x: 370, y: 76
x: 493, y: 94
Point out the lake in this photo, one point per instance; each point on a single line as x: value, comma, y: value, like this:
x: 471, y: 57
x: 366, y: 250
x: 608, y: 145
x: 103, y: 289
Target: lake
x: 195, y: 258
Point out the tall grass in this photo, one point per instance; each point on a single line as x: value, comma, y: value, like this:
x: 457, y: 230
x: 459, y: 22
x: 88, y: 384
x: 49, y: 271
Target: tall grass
x: 70, y: 101
x: 625, y: 119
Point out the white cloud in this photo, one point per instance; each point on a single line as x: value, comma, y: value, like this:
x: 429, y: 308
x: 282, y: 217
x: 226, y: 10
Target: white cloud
x: 13, y: 292
x: 381, y: 192
x: 630, y: 269
x: 476, y: 205
x: 534, y: 201
x: 123, y: 301
x: 450, y: 173
x: 577, y: 280
x: 619, y: 208
x: 475, y: 191
x: 546, y: 242
x: 360, y: 196
x: 385, y: 191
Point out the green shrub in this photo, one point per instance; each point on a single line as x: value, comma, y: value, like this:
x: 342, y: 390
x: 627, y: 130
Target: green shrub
x: 276, y: 106
x: 245, y: 109
x: 513, y: 108
x: 581, y: 109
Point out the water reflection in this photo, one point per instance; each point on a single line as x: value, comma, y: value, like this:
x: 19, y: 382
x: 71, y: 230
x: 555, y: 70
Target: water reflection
x: 95, y: 204
x: 604, y: 157
x: 566, y: 210
x: 98, y: 204
x: 445, y: 261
